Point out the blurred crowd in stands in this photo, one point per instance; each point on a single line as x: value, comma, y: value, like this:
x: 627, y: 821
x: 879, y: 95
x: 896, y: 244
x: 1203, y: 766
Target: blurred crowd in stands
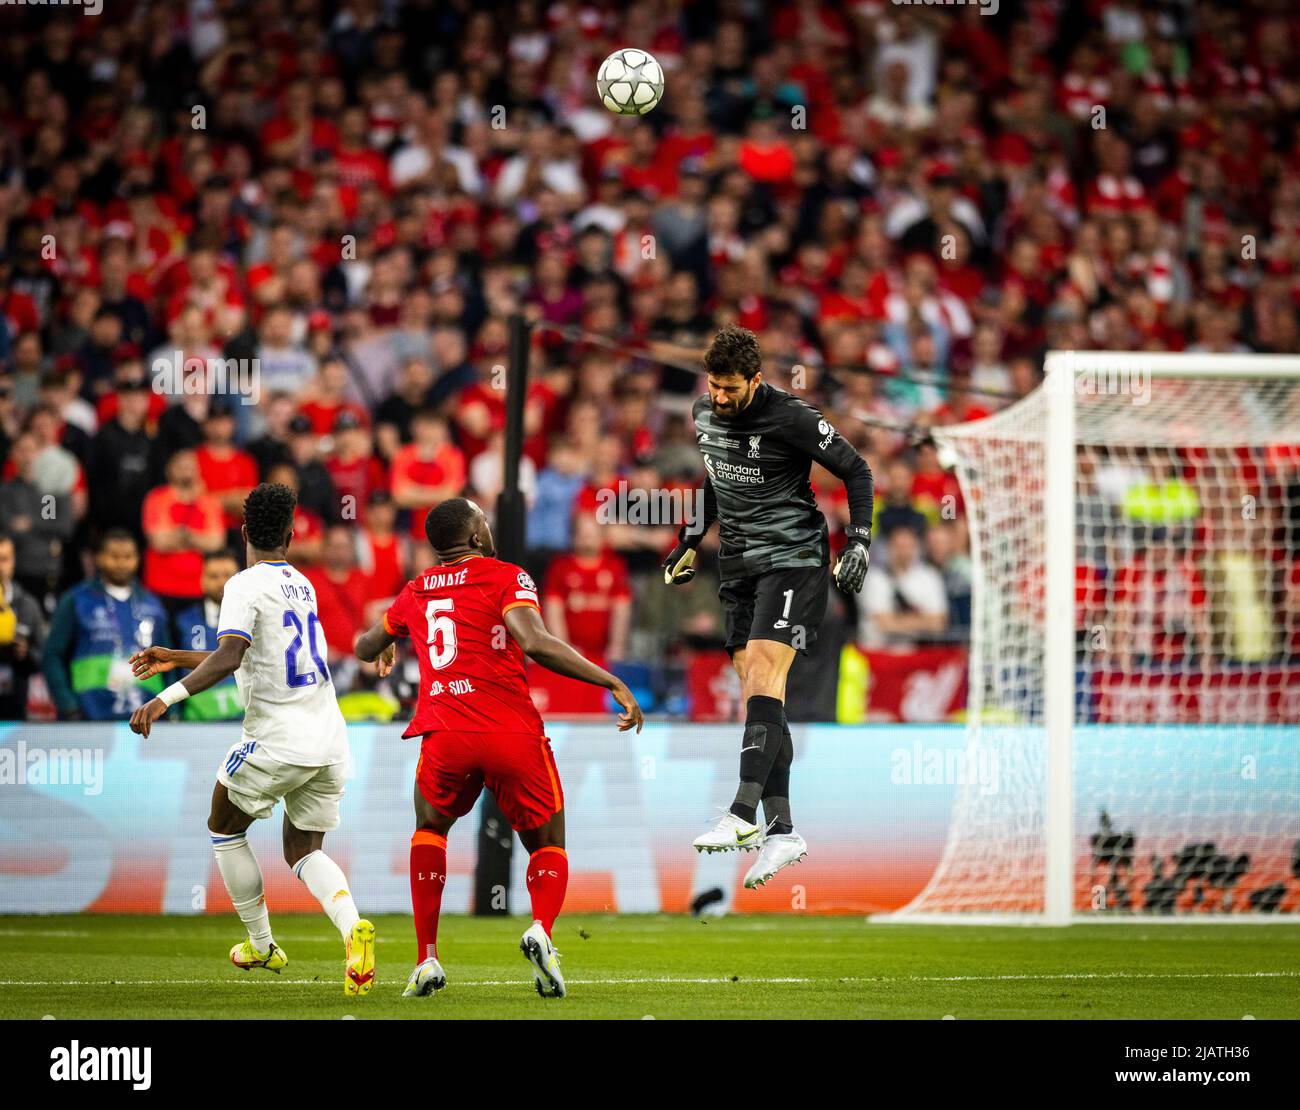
x: 281, y: 241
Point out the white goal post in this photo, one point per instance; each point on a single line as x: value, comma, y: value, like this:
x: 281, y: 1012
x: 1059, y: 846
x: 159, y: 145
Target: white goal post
x: 1135, y: 656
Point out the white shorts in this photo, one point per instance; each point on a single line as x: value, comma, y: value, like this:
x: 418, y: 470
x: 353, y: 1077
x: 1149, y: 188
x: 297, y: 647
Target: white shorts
x: 256, y: 781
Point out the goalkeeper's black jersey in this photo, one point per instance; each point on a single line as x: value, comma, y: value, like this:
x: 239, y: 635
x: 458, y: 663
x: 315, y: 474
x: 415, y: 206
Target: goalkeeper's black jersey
x: 758, y: 464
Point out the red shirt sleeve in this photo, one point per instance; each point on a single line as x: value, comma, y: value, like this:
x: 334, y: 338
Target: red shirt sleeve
x: 396, y: 620
x: 401, y: 468
x: 212, y: 516
x: 156, y: 512
x: 517, y: 588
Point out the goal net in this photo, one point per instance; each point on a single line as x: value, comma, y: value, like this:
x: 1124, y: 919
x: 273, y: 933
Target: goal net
x: 1135, y: 661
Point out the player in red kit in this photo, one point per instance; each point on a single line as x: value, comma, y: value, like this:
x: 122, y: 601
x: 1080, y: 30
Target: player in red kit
x: 471, y: 620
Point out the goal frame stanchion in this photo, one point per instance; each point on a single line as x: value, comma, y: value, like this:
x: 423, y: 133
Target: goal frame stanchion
x: 1058, y: 632
x: 1060, y: 389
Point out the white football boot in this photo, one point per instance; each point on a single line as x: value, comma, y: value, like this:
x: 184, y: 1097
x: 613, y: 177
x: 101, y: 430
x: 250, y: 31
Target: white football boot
x: 427, y: 977
x: 729, y: 834
x: 779, y: 850
x: 540, y: 952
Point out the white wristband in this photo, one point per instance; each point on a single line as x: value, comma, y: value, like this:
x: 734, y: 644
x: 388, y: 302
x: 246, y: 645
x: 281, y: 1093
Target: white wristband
x: 174, y: 693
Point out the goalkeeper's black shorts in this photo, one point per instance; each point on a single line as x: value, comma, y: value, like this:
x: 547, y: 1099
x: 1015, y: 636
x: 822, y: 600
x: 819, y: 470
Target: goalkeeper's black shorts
x: 787, y: 605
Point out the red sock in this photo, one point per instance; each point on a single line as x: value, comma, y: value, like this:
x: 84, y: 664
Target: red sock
x: 428, y: 878
x: 548, y: 878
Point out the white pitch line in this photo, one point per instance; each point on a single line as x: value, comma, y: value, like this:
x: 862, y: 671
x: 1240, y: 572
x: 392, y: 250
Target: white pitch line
x: 668, y: 980
x: 41, y: 934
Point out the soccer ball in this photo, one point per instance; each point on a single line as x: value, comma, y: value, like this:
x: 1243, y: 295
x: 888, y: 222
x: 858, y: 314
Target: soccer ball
x: 630, y: 82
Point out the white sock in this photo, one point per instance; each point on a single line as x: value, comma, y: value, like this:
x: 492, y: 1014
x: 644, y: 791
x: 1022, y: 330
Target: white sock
x: 243, y: 878
x: 325, y: 879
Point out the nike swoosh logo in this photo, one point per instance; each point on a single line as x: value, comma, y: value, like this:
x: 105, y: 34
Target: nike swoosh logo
x: 752, y: 748
x: 741, y: 838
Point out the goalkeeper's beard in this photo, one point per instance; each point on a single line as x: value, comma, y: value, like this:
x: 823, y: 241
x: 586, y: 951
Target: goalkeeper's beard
x: 732, y: 408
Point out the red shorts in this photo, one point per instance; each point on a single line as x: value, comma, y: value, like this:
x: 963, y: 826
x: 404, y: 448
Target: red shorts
x: 517, y: 767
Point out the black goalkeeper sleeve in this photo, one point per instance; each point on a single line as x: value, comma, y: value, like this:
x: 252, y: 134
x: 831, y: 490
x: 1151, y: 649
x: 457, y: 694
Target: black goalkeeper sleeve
x: 694, y: 530
x: 826, y: 446
x: 861, y: 489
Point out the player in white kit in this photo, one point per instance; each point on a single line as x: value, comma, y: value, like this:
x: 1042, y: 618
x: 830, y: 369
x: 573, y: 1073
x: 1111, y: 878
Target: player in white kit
x: 294, y: 746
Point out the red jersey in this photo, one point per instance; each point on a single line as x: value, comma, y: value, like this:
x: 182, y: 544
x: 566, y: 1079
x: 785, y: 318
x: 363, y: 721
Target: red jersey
x: 472, y: 675
x: 229, y: 469
x: 588, y: 588
x: 341, y: 605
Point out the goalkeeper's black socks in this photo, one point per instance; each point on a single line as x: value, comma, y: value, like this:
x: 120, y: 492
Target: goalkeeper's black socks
x: 776, y: 811
x: 758, y: 752
x: 776, y: 792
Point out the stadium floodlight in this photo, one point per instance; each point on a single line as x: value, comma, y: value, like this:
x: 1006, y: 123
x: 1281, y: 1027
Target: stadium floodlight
x: 1135, y: 657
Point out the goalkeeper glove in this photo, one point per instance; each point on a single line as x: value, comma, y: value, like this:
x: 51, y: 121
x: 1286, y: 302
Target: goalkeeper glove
x: 679, y: 568
x: 851, y: 570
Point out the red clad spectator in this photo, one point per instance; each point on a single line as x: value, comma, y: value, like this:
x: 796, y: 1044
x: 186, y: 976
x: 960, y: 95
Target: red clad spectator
x: 818, y: 23
x: 228, y: 473
x: 480, y: 411
x: 935, y: 490
x: 359, y: 164
x: 382, y: 550
x: 631, y: 423
x: 427, y: 470
x: 297, y: 134
x: 342, y: 590
x: 690, y: 137
x: 268, y: 280
x: 18, y: 308
x: 327, y: 398
x: 356, y: 471
x: 646, y: 170
x: 960, y: 406
x: 765, y: 156
x: 209, y: 282
x: 586, y: 595
x: 181, y: 524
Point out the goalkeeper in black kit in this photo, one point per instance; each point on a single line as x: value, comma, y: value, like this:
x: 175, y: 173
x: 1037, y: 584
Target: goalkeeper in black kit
x: 759, y: 444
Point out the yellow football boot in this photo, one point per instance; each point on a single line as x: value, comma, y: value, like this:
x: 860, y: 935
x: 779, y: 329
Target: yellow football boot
x: 245, y: 957
x: 360, y: 973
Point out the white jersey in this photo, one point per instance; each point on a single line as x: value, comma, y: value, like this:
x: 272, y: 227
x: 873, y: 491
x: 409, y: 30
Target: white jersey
x: 290, y: 711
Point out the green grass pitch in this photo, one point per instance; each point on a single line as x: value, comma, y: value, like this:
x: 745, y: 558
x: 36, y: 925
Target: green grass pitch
x: 661, y: 967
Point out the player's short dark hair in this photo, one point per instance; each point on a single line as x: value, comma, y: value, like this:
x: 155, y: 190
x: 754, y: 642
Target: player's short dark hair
x: 268, y: 515
x: 450, y: 523
x: 114, y: 535
x: 734, y: 350
x: 222, y: 553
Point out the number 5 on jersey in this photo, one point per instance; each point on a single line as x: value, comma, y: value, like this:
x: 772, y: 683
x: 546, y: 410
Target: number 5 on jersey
x: 442, y: 632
